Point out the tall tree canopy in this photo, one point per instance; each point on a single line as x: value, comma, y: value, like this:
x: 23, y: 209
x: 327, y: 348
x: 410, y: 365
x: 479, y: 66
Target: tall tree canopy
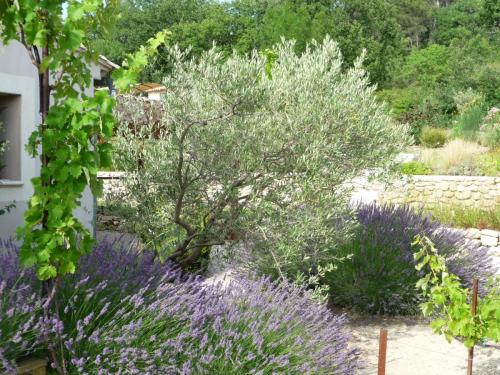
x: 247, y: 24
x: 420, y: 53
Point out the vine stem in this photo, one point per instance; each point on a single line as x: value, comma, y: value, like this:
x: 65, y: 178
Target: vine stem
x: 470, y: 358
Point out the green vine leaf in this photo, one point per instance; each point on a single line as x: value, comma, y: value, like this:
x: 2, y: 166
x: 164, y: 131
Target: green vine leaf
x: 447, y: 300
x: 53, y: 238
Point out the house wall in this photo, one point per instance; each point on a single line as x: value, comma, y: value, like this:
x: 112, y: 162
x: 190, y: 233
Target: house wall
x: 19, y: 77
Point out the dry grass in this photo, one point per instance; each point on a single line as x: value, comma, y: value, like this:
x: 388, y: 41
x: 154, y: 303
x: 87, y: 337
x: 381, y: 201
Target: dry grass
x: 456, y: 157
x: 459, y: 216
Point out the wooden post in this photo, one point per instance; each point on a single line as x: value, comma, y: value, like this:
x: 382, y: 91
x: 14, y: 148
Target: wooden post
x: 382, y: 351
x: 473, y: 311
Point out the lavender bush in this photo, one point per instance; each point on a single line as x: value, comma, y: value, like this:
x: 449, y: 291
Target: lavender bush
x: 380, y: 277
x: 20, y: 309
x: 124, y: 313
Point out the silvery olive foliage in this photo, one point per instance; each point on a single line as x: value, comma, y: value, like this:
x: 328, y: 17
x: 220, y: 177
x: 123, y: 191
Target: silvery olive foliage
x: 255, y: 149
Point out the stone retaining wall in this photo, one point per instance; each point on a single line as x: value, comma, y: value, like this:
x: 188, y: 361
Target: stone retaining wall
x: 472, y: 191
x: 488, y: 238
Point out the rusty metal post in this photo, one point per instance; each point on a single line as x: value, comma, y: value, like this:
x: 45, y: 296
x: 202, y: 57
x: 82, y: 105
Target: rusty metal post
x: 473, y: 311
x: 382, y: 351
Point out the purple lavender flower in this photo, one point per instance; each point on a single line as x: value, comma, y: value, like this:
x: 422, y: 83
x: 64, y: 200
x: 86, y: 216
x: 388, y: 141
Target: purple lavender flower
x: 124, y: 313
x: 380, y: 277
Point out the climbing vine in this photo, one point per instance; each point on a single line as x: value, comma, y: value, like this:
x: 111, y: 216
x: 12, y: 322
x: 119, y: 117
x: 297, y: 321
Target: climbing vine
x: 72, y: 140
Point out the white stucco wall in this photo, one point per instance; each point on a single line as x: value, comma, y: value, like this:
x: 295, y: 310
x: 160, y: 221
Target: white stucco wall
x: 19, y: 77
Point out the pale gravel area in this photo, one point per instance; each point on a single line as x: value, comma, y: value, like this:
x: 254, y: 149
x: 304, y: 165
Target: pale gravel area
x: 413, y: 349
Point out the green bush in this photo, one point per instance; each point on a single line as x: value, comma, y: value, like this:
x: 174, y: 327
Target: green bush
x: 469, y: 123
x: 415, y: 168
x: 491, y: 136
x: 489, y: 163
x: 490, y: 130
x: 433, y: 137
x: 418, y: 107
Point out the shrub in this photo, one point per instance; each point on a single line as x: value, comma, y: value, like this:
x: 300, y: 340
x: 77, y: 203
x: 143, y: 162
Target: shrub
x: 122, y: 312
x: 490, y: 130
x: 415, y: 168
x: 380, y: 277
x: 406, y: 107
x: 469, y: 123
x: 464, y: 100
x: 490, y: 136
x: 489, y: 163
x: 433, y: 137
x: 466, y: 217
x: 250, y: 144
x: 20, y: 309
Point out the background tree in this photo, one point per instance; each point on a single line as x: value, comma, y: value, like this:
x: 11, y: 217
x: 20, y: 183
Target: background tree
x: 245, y: 25
x: 415, y: 19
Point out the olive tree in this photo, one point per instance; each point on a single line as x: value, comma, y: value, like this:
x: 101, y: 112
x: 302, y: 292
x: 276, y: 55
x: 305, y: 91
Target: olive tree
x: 253, y: 148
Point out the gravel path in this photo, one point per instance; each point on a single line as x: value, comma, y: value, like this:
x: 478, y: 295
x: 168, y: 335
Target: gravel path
x: 413, y: 349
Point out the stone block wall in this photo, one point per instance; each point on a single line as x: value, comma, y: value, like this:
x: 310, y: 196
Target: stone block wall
x: 471, y: 191
x: 488, y: 238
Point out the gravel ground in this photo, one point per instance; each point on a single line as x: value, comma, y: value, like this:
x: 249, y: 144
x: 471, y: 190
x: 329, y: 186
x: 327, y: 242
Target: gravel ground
x: 413, y: 349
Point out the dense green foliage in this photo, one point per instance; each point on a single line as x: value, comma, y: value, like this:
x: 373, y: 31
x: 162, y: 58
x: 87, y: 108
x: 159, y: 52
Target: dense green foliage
x: 433, y: 137
x: 245, y: 25
x: 72, y: 140
x: 421, y: 53
x: 449, y: 303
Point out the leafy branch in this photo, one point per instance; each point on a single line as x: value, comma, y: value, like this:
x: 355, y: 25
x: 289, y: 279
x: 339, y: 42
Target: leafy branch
x: 72, y: 141
x: 448, y: 301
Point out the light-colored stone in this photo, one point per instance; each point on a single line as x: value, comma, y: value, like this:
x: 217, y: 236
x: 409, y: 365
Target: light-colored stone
x: 463, y: 195
x: 489, y: 241
x: 473, y: 233
x: 449, y: 194
x: 491, y: 233
x: 476, y: 196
